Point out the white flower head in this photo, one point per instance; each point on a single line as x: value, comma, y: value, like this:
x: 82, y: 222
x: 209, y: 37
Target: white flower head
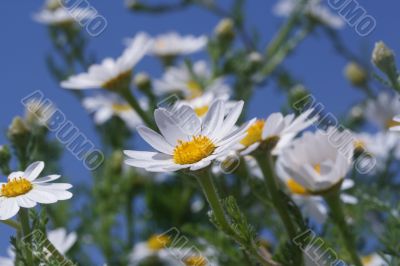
x: 379, y: 147
x: 155, y: 247
x: 186, y: 141
x: 202, y: 104
x: 172, y: 44
x: 313, y: 8
x: 60, y: 239
x: 319, y: 161
x: 54, y: 13
x: 190, y: 82
x: 276, y: 129
x: 112, y: 74
x: 382, y: 110
x: 312, y: 206
x: 373, y: 260
x: 106, y: 106
x: 25, y: 189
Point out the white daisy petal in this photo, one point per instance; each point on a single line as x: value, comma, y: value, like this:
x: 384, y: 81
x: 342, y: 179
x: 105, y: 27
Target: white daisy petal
x: 155, y: 140
x: 34, y: 170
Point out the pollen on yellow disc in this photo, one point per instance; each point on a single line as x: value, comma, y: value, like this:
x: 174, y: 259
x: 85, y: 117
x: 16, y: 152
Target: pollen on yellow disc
x: 195, y: 89
x: 121, y: 107
x: 193, y: 151
x: 296, y: 188
x: 158, y: 242
x: 195, y: 261
x: 16, y: 187
x: 254, y: 133
x: 201, y: 111
x: 392, y: 123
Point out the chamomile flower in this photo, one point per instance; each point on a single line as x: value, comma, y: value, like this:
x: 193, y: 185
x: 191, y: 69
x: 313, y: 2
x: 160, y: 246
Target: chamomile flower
x: 277, y: 130
x: 190, y: 82
x: 55, y: 14
x: 311, y: 205
x: 313, y: 8
x: 202, y: 104
x: 154, y: 249
x: 60, y: 239
x: 105, y: 107
x: 25, y: 189
x: 318, y: 161
x: 380, y: 146
x: 373, y: 260
x: 172, y: 44
x: 188, y: 141
x: 382, y: 110
x: 112, y: 74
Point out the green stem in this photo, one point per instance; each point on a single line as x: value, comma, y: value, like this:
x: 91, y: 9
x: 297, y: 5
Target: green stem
x: 12, y: 224
x: 210, y: 192
x: 267, y: 167
x: 280, y: 55
x: 127, y: 95
x: 207, y: 184
x: 26, y: 231
x: 338, y: 216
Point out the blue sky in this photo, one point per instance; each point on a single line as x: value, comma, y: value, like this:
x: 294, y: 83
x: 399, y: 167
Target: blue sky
x: 24, y: 45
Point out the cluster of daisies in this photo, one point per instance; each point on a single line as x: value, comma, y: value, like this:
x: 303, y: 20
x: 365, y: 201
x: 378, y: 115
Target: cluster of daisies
x: 200, y: 128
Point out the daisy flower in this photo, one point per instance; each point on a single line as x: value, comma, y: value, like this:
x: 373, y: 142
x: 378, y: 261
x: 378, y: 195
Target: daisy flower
x: 190, y: 82
x: 25, y: 189
x: 172, y: 44
x: 55, y: 14
x: 380, y: 146
x: 156, y: 248
x: 277, y: 130
x: 382, y: 110
x: 112, y: 74
x: 105, y: 107
x: 318, y: 161
x: 188, y: 141
x: 373, y: 260
x: 60, y: 239
x: 202, y: 104
x: 313, y: 8
x: 311, y: 205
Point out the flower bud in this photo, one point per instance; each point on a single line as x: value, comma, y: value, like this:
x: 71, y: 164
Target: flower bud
x: 18, y: 127
x: 296, y: 94
x: 356, y: 74
x: 142, y: 81
x: 225, y: 29
x: 19, y: 134
x: 5, y: 157
x: 383, y: 57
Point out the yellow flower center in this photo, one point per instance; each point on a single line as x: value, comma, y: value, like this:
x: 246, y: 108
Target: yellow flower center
x: 158, y: 242
x: 254, y: 133
x: 119, y: 82
x: 195, y: 89
x: 195, y: 261
x: 121, y: 107
x: 193, y: 151
x: 296, y: 188
x: 201, y: 111
x: 16, y: 187
x: 367, y: 259
x: 392, y: 123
